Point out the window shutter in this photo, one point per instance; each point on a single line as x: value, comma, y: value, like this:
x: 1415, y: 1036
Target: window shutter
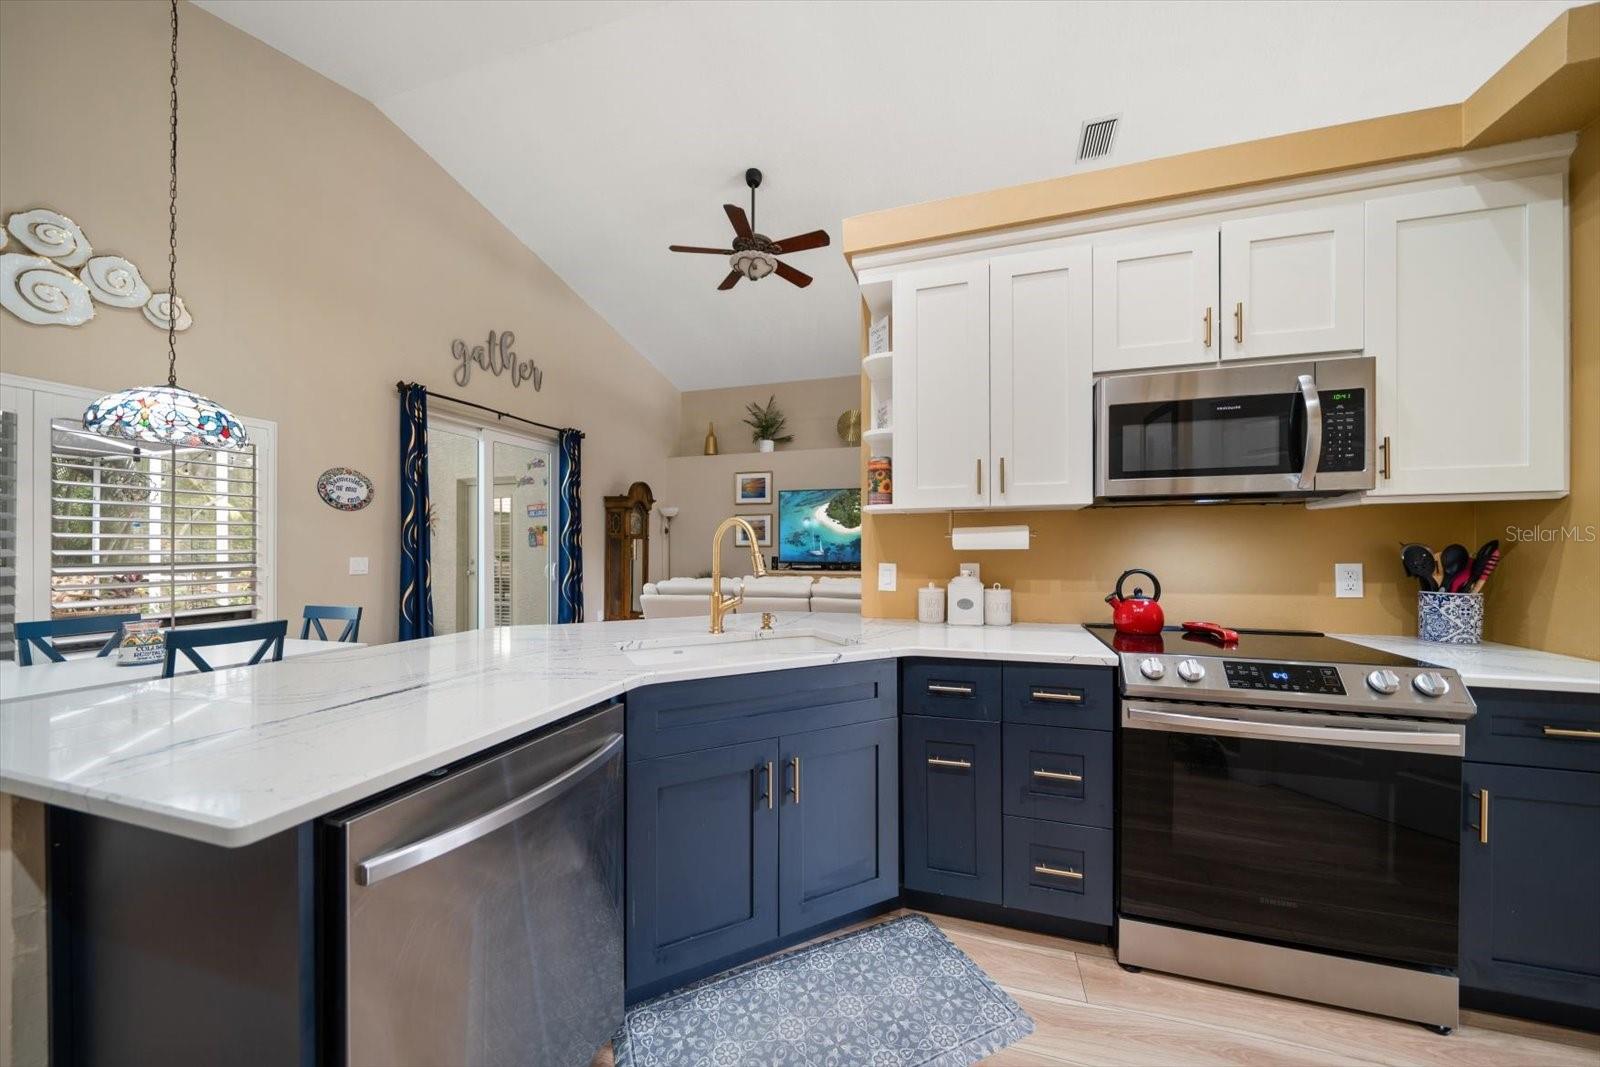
x: 8, y: 535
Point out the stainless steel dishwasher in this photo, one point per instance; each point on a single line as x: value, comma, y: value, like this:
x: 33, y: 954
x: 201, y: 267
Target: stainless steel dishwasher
x: 480, y: 913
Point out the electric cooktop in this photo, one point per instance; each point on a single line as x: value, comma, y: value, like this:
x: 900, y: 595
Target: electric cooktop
x: 1293, y: 646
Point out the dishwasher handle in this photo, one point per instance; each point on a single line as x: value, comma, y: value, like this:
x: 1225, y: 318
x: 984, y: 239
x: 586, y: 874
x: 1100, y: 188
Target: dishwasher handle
x: 388, y: 864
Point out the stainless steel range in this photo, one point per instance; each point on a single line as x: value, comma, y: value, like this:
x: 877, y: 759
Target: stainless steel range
x: 1289, y: 815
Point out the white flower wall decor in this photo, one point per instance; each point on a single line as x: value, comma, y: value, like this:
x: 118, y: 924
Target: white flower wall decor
x: 36, y: 290
x: 51, y: 234
x: 158, y: 309
x: 114, y: 281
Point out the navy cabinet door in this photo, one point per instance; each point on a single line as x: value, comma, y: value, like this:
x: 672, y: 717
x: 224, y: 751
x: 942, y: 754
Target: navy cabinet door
x: 1530, y: 925
x: 702, y: 858
x: 950, y: 784
x: 839, y: 825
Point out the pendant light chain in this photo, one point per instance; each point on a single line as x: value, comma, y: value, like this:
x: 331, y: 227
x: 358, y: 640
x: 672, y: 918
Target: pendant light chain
x: 172, y: 217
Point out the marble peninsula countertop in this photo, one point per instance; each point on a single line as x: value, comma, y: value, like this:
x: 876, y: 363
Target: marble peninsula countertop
x: 235, y: 756
x: 1492, y: 666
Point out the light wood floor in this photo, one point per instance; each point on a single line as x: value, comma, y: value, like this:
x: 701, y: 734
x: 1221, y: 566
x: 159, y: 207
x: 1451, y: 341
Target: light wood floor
x: 1088, y: 1010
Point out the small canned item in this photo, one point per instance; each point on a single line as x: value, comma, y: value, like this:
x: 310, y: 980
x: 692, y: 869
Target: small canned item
x: 142, y: 643
x: 880, y: 483
x: 930, y: 604
x: 996, y: 606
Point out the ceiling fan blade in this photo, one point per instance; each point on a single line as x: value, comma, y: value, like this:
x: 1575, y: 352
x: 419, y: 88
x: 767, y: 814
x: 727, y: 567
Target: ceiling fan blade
x: 736, y: 215
x: 731, y: 280
x: 789, y: 274
x: 695, y: 248
x: 802, y: 242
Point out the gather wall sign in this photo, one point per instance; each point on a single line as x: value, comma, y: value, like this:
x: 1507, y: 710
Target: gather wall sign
x: 497, y: 358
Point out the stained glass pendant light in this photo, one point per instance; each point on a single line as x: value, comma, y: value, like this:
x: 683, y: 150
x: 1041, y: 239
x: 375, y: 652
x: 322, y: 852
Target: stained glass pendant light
x: 167, y: 414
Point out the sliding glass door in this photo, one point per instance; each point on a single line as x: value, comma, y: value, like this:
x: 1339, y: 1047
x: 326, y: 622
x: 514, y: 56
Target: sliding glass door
x: 493, y: 527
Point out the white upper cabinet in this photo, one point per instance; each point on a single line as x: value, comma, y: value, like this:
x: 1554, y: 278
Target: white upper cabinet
x: 941, y: 387
x: 1155, y: 301
x: 1041, y: 383
x: 1466, y: 298
x: 1292, y: 283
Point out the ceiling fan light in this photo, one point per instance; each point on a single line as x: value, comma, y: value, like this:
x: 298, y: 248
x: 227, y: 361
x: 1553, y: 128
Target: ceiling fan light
x: 753, y: 264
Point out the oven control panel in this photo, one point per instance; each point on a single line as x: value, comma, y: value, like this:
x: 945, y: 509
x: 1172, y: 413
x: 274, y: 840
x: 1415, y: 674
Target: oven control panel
x: 1284, y: 677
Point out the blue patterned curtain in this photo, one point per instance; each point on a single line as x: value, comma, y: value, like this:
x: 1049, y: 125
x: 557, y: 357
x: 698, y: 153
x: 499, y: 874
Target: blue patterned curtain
x: 416, y: 538
x: 569, y: 546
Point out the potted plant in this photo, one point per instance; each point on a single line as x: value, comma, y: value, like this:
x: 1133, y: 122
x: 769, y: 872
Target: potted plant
x: 767, y: 425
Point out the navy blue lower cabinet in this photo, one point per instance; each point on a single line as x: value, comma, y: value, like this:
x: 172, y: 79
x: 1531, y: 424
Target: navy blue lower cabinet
x: 1530, y: 883
x: 839, y: 822
x: 702, y: 858
x: 1058, y: 774
x: 950, y: 807
x: 1058, y: 869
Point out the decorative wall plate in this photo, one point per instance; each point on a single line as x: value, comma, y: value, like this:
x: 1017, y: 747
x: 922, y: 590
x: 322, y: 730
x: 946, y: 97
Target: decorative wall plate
x: 51, y: 234
x: 156, y: 309
x: 36, y: 290
x: 344, y: 488
x: 113, y: 280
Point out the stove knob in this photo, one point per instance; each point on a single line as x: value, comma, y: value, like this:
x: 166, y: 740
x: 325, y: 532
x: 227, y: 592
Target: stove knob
x: 1191, y: 670
x: 1430, y: 684
x: 1152, y: 668
x: 1384, y: 681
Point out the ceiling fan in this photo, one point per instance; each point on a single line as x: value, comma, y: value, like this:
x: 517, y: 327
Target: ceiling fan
x: 755, y: 255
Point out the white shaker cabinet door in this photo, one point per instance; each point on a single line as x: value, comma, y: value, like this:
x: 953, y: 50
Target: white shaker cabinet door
x: 1155, y: 301
x: 1466, y: 317
x: 1041, y: 379
x: 1292, y: 283
x: 941, y: 387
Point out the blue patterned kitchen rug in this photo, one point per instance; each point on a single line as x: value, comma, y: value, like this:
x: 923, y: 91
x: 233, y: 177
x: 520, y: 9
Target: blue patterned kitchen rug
x: 896, y: 993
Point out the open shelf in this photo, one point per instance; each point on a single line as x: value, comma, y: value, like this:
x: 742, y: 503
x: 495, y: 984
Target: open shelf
x: 883, y: 438
x: 878, y: 367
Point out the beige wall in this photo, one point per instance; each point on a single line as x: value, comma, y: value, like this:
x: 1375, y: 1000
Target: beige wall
x: 324, y: 257
x: 813, y: 408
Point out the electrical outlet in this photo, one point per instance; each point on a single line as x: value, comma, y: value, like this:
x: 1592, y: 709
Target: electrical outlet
x: 887, y: 577
x: 1347, y: 581
x: 358, y: 564
x: 969, y: 569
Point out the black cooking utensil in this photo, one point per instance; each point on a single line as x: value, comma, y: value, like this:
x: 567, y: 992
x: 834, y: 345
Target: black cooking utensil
x: 1481, y: 560
x: 1490, y: 562
x: 1457, y: 564
x: 1419, y: 563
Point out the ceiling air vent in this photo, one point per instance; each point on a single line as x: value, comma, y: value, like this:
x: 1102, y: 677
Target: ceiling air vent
x: 1094, y: 140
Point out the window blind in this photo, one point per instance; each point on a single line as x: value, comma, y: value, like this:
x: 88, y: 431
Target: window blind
x: 168, y: 533
x: 8, y: 535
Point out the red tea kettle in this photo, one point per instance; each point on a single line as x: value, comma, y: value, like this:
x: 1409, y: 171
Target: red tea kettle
x: 1138, y: 614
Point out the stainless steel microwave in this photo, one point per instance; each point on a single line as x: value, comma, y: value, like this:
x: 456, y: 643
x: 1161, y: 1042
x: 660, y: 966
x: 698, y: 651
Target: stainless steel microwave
x: 1278, y: 431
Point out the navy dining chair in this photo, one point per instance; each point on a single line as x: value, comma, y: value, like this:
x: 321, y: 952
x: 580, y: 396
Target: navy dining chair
x: 43, y: 634
x: 187, y: 641
x: 315, y: 613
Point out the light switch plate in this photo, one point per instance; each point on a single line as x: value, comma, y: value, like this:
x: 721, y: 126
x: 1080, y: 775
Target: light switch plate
x: 358, y: 564
x: 1347, y: 580
x: 887, y: 577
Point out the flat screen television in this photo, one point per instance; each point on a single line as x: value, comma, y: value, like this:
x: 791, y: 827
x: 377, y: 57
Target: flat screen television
x: 819, y: 528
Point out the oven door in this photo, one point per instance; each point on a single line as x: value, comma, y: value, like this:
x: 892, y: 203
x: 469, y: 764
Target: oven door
x: 1293, y: 828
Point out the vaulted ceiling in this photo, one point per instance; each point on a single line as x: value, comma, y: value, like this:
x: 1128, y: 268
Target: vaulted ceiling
x: 599, y: 133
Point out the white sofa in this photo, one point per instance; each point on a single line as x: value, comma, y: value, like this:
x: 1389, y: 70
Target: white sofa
x: 683, y: 597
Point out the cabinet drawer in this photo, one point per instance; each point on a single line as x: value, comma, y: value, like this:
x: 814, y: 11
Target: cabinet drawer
x: 1057, y: 774
x: 950, y: 805
x: 1532, y: 729
x: 1045, y: 695
x: 1058, y: 869
x: 689, y: 716
x: 951, y: 689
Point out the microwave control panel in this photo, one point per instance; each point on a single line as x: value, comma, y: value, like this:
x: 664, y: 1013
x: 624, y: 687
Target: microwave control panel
x: 1344, y: 430
x: 1284, y: 677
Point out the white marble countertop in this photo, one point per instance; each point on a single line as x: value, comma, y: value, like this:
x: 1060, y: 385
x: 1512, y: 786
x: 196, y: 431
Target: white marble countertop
x: 237, y: 755
x: 1492, y: 666
x: 95, y: 672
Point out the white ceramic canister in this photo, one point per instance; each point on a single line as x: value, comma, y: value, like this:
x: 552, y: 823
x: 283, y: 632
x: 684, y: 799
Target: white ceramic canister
x: 966, y: 601
x: 930, y: 604
x: 996, y: 606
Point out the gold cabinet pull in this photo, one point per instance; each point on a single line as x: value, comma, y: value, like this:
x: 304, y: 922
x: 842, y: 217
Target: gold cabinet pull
x: 1047, y: 696
x: 1058, y: 776
x: 768, y: 788
x: 1057, y: 872
x: 1386, y: 449
x: 959, y: 764
x: 1207, y: 321
x: 1581, y: 735
x: 950, y: 690
x: 1483, y: 816
x: 1238, y: 323
x: 794, y: 762
x: 1002, y: 475
x: 980, y: 477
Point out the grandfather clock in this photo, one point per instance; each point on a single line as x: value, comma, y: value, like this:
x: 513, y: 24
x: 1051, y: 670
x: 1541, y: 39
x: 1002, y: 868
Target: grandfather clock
x: 627, y: 550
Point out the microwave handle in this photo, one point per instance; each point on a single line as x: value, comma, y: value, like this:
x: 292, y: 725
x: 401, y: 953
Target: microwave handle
x: 1308, y: 473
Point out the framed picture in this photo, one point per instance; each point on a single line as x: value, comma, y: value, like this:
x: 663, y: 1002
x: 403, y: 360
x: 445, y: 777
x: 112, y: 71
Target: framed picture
x: 763, y: 527
x: 752, y: 487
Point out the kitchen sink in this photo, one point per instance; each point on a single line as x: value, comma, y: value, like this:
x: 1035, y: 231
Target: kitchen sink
x: 730, y: 647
